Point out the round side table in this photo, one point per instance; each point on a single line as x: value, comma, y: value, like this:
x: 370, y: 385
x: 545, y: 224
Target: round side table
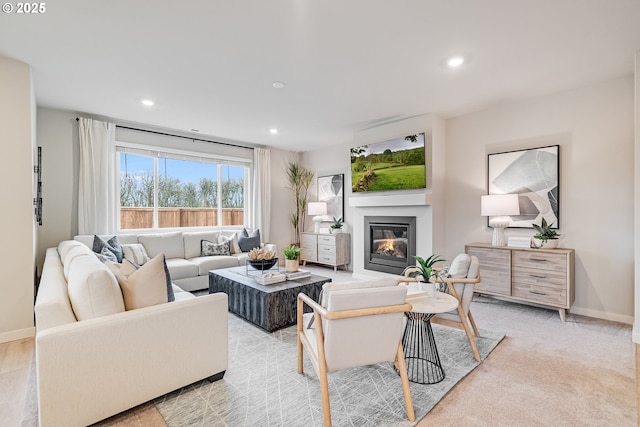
x: 418, y: 343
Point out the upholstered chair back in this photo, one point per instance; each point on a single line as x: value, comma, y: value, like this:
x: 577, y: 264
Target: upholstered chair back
x: 463, y: 267
x: 363, y: 340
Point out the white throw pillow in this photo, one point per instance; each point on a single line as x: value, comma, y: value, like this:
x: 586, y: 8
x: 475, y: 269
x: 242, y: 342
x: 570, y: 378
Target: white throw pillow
x: 135, y: 253
x: 233, y: 242
x: 460, y: 266
x: 144, y: 286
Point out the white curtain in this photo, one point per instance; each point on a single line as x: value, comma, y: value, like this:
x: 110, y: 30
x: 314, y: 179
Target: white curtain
x: 97, y: 178
x: 260, y: 214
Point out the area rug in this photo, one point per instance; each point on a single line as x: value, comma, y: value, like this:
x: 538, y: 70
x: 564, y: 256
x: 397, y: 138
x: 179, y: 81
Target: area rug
x: 262, y: 386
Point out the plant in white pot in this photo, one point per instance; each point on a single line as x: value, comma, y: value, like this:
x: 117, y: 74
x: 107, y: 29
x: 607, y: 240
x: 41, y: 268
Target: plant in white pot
x: 336, y: 227
x: 291, y: 258
x: 427, y: 271
x: 545, y: 237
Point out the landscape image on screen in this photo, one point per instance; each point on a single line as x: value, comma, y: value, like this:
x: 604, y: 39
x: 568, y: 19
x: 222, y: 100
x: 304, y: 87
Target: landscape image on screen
x: 396, y: 164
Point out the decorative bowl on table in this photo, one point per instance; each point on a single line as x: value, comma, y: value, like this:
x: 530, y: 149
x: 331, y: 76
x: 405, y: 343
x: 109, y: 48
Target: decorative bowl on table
x: 262, y: 264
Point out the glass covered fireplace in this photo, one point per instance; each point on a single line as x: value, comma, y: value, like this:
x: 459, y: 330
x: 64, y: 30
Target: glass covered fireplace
x: 390, y: 243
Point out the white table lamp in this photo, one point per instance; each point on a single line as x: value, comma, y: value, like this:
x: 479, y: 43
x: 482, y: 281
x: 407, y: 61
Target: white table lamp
x: 318, y: 209
x: 499, y: 206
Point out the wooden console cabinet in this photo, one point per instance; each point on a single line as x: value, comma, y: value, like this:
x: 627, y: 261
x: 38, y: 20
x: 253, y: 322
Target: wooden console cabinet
x: 328, y: 249
x: 540, y: 276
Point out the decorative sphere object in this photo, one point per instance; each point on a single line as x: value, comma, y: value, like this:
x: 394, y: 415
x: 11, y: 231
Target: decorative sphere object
x: 262, y: 264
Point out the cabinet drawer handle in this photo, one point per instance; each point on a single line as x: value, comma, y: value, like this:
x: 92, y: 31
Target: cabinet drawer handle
x: 538, y: 276
x: 538, y: 259
x: 537, y: 292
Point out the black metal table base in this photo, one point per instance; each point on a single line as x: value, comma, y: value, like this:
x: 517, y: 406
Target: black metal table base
x: 420, y: 351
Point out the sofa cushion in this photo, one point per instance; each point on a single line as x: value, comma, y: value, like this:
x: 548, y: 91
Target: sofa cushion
x: 66, y: 245
x: 112, y: 245
x: 93, y: 289
x: 249, y: 241
x: 181, y: 268
x: 144, y: 286
x: 192, y: 241
x: 232, y: 237
x: 135, y: 253
x: 207, y: 263
x: 70, y: 255
x: 215, y: 249
x: 169, y: 244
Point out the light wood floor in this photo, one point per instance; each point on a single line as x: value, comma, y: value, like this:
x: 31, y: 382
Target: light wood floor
x: 15, y: 360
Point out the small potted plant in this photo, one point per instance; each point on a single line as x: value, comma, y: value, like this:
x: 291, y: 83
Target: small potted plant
x: 545, y: 237
x: 426, y: 266
x: 291, y: 258
x: 336, y: 227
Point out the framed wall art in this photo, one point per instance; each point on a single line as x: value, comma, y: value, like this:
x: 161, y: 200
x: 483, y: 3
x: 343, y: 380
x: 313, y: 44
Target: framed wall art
x: 534, y: 175
x: 331, y: 191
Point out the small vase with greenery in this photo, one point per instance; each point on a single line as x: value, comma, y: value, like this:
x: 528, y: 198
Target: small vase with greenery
x: 291, y: 257
x: 426, y: 266
x: 336, y: 227
x: 545, y: 237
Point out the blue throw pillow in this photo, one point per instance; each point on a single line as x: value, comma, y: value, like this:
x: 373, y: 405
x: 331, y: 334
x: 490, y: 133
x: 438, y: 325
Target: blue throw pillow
x: 112, y: 245
x: 248, y: 242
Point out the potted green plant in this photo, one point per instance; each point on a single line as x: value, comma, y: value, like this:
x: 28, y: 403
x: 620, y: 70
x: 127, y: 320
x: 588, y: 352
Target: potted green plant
x: 291, y: 258
x: 336, y: 227
x: 426, y: 266
x: 545, y: 237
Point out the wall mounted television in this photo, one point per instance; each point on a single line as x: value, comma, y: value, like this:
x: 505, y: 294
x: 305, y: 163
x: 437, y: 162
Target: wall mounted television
x: 395, y: 164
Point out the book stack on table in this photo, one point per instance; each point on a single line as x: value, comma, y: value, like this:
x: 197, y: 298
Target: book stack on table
x: 270, y: 278
x: 300, y: 274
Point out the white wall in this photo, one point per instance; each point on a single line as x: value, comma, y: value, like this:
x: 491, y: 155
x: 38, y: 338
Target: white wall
x: 58, y: 137
x: 594, y: 127
x: 636, y: 115
x: 17, y: 253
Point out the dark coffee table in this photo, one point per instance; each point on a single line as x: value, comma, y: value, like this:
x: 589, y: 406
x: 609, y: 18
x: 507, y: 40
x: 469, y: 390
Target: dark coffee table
x: 270, y: 307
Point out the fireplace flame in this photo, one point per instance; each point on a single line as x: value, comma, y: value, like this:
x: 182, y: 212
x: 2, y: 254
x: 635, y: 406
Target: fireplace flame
x: 388, y: 248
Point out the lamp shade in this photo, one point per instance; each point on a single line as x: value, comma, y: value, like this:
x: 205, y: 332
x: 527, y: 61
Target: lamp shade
x: 499, y: 205
x: 317, y: 208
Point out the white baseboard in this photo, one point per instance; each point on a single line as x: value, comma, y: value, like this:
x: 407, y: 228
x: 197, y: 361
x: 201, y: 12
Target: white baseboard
x: 17, y: 335
x: 614, y: 317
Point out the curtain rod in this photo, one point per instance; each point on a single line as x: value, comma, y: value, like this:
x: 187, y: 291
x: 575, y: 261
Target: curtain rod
x: 179, y: 136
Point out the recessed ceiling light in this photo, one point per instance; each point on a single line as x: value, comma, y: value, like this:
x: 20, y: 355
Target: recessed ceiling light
x: 455, y: 61
x: 273, y: 131
x: 147, y: 102
x: 278, y: 85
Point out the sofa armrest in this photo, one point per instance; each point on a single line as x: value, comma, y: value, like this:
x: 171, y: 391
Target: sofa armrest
x: 112, y: 363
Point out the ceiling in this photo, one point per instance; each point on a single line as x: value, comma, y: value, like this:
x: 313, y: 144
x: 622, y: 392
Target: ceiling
x: 347, y: 65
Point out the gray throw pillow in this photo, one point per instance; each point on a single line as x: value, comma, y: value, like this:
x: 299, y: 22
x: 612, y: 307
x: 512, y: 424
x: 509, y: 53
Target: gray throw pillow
x: 248, y: 242
x: 113, y: 245
x: 208, y: 248
x: 106, y: 255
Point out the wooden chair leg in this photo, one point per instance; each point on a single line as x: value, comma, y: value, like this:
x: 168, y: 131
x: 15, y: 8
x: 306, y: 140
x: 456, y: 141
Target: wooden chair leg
x: 402, y: 368
x: 324, y: 391
x: 300, y: 363
x: 473, y: 323
x: 472, y: 342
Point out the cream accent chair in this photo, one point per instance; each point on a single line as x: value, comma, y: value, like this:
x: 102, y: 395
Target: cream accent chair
x: 358, y: 326
x: 460, y: 282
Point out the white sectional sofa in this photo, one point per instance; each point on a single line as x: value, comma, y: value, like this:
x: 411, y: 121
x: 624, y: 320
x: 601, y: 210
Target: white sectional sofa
x: 182, y: 250
x: 94, y: 359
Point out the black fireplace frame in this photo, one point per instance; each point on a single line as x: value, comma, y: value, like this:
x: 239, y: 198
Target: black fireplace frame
x: 375, y: 264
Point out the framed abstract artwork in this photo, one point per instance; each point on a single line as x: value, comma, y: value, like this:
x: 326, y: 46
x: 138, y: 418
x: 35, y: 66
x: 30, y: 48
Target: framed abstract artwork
x: 331, y: 191
x: 532, y: 174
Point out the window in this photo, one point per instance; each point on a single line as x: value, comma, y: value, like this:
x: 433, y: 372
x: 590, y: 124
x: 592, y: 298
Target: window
x: 169, y: 190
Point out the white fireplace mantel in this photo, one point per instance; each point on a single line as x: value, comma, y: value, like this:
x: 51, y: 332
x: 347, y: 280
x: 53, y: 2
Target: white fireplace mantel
x: 406, y: 199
